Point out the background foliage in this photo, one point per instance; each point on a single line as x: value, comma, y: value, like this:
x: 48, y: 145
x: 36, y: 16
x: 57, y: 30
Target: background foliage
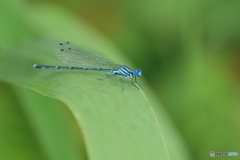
x: 188, y: 51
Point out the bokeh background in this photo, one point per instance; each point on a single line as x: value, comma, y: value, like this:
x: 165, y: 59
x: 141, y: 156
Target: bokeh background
x: 188, y: 51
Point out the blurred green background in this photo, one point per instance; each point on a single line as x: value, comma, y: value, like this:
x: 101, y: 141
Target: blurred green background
x: 188, y: 51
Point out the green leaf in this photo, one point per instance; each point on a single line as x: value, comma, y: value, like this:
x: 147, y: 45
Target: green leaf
x: 98, y: 121
x: 15, y: 134
x: 115, y: 124
x: 34, y: 127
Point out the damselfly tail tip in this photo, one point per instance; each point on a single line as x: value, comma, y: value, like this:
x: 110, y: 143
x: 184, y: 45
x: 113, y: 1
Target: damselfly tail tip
x: 35, y: 66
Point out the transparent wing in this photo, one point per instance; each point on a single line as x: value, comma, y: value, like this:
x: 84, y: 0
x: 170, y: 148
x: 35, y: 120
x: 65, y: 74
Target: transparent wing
x: 77, y: 56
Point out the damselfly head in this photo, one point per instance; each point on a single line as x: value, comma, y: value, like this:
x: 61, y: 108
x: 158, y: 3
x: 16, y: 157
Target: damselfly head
x: 137, y: 72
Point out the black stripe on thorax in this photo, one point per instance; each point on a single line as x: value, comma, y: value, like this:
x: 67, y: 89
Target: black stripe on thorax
x: 126, y: 68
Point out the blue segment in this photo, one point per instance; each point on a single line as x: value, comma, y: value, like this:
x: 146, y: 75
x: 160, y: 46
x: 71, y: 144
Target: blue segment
x: 80, y: 58
x: 137, y: 72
